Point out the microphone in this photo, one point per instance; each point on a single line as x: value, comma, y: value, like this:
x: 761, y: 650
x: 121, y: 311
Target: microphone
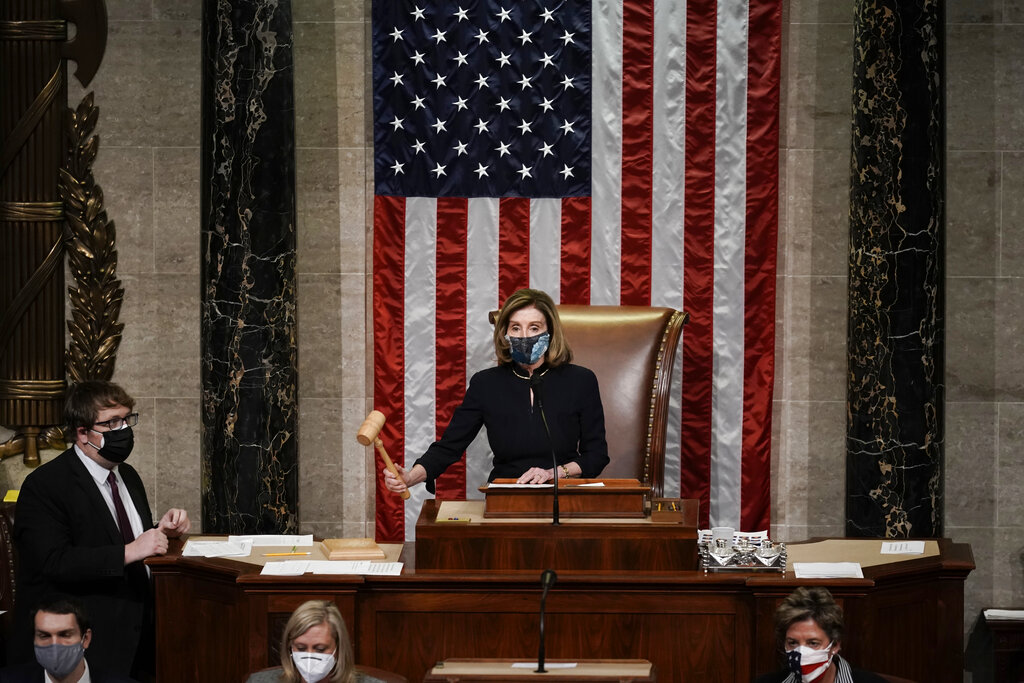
x: 547, y: 580
x: 537, y: 385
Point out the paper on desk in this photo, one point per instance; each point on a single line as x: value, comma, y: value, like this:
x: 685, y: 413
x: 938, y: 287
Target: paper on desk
x: 547, y: 665
x: 274, y: 539
x: 492, y: 485
x: 216, y: 549
x: 591, y: 483
x: 1004, y: 614
x: 828, y: 570
x: 903, y: 547
x: 285, y: 568
x: 364, y: 567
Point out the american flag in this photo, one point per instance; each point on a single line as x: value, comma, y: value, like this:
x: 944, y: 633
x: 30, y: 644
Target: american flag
x: 607, y: 152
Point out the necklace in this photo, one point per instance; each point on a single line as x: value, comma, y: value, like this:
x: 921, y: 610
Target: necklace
x: 515, y: 371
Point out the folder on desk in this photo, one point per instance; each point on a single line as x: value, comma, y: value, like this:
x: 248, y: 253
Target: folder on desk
x: 352, y: 549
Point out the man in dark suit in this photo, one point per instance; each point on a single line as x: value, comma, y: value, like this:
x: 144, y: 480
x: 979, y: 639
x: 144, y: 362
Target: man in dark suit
x: 62, y: 637
x: 83, y: 526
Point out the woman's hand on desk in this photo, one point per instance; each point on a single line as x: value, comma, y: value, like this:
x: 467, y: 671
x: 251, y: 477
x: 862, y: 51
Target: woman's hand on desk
x: 535, y: 475
x: 406, y: 477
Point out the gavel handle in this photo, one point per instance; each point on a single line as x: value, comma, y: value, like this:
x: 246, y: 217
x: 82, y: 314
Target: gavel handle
x: 390, y: 465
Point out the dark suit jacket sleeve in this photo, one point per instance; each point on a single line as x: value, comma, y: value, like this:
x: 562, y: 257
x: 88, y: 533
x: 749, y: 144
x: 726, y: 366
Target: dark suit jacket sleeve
x: 593, y: 446
x: 58, y: 532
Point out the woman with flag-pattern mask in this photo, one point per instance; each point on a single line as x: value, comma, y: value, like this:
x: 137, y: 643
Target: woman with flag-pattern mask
x: 534, y: 361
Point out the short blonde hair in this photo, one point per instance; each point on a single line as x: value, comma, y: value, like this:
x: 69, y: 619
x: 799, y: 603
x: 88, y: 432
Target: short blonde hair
x: 313, y: 613
x: 558, y: 351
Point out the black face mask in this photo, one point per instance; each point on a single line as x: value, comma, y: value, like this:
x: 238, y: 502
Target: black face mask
x: 117, y: 444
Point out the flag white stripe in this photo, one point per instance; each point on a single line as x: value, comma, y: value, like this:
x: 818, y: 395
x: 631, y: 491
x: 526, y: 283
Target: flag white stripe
x: 419, y: 339
x: 669, y: 131
x: 728, y: 304
x: 606, y: 152
x: 481, y: 299
x: 546, y: 246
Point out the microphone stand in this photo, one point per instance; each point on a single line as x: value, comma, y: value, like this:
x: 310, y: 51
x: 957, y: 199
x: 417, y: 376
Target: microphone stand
x: 547, y: 580
x: 536, y: 383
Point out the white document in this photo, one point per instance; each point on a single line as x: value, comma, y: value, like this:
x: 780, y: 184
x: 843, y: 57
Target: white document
x: 362, y: 567
x: 1004, y: 614
x: 828, y: 570
x: 902, y: 547
x: 216, y: 549
x: 547, y: 665
x: 285, y: 568
x: 492, y: 485
x: 263, y: 540
x: 592, y: 483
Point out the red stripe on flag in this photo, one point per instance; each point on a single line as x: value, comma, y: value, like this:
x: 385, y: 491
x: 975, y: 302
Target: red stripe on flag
x: 576, y: 244
x: 698, y: 253
x: 759, y: 258
x: 637, y: 151
x: 388, y: 353
x: 450, y: 330
x: 513, y: 245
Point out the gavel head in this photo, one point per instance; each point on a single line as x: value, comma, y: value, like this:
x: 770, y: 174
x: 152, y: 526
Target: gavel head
x: 370, y: 428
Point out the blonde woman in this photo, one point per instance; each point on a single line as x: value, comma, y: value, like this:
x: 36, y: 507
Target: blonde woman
x: 314, y: 647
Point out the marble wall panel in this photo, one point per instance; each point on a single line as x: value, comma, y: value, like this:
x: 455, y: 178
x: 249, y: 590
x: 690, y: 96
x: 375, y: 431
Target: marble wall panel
x: 359, y: 470
x: 974, y: 12
x: 126, y: 176
x: 355, y: 106
x: 319, y: 336
x: 320, y: 493
x: 317, y: 181
x: 818, y: 12
x: 316, y: 79
x: 177, y: 462
x: 1009, y: 87
x: 816, y: 329
x: 159, y: 354
x: 353, y: 338
x: 1013, y: 11
x: 1009, y: 472
x: 817, y: 242
x: 1008, y: 567
x: 1009, y: 339
x: 970, y: 339
x: 330, y: 10
x: 1011, y: 211
x: 820, y: 75
x: 970, y: 89
x: 970, y: 464
x: 972, y: 216
x: 176, y: 210
x: 148, y: 85
x: 356, y: 206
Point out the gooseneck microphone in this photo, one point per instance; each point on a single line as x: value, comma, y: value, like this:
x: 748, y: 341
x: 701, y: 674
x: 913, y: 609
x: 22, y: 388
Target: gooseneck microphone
x: 547, y: 580
x: 537, y: 385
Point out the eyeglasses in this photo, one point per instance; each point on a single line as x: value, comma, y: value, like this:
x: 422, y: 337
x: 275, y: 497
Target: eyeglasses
x: 119, y: 422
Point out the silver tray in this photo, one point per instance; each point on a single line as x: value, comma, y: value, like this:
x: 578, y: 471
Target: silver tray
x: 768, y: 556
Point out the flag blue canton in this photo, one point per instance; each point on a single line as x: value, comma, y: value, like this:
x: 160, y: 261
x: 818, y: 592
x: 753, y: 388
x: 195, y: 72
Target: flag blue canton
x: 482, y: 99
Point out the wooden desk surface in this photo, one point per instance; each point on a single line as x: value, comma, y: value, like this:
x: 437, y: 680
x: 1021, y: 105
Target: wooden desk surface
x: 563, y: 671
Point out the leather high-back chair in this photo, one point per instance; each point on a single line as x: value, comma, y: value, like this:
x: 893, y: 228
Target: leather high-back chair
x: 632, y: 350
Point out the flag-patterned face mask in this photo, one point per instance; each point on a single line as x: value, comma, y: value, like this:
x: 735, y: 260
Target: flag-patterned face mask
x: 528, y: 350
x: 809, y: 664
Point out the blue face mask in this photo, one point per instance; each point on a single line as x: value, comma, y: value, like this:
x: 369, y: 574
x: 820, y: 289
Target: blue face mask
x: 528, y: 350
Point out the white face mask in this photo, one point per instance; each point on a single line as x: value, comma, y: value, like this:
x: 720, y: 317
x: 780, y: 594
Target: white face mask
x: 313, y: 666
x: 809, y: 664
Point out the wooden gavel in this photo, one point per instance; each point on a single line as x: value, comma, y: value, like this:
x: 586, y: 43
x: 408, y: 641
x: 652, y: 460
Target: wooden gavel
x: 369, y: 433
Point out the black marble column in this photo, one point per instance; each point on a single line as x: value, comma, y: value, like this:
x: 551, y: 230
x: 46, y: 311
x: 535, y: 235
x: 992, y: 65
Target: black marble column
x: 249, y: 378
x: 894, y: 462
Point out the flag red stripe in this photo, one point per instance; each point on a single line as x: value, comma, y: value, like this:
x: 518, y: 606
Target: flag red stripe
x: 762, y: 220
x: 513, y: 245
x: 575, y: 276
x: 637, y: 151
x: 450, y: 339
x: 388, y: 353
x: 698, y: 253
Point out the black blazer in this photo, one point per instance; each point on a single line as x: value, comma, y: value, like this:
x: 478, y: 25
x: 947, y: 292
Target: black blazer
x: 31, y: 672
x: 68, y: 542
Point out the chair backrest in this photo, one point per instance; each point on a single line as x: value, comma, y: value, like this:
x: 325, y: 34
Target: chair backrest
x: 632, y: 350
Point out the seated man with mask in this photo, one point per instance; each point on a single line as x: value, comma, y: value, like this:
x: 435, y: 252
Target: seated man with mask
x: 83, y: 526
x: 62, y: 636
